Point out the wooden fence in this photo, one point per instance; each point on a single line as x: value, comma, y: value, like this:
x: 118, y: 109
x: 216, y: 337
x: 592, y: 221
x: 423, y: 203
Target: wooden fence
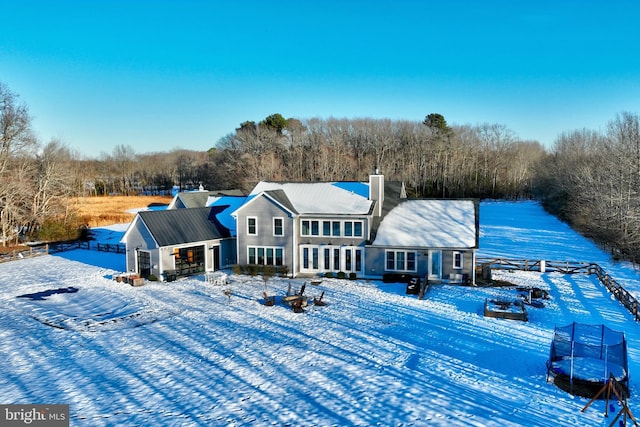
x: 51, y: 248
x: 27, y: 253
x: 118, y: 248
x: 567, y: 267
x: 67, y: 246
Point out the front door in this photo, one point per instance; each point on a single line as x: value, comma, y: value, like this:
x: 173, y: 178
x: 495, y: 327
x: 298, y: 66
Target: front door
x: 216, y: 258
x: 435, y: 265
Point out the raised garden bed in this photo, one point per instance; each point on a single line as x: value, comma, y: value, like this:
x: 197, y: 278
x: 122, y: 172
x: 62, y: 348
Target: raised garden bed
x: 503, y: 309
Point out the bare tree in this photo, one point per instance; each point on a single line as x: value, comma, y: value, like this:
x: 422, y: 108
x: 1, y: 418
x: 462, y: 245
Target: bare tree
x: 16, y: 145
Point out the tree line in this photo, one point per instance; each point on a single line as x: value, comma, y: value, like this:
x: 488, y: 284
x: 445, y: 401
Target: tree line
x: 588, y: 178
x: 432, y: 158
x: 592, y: 181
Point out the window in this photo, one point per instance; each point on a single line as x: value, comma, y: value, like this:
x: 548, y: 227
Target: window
x: 358, y: 260
x: 335, y: 228
x: 411, y: 261
x: 252, y: 226
x: 357, y: 228
x: 310, y: 257
x: 391, y: 264
x: 305, y: 258
x: 278, y: 227
x: 353, y: 228
x: 310, y: 228
x: 401, y: 261
x: 326, y: 228
x: 457, y: 260
x: 265, y: 255
x: 189, y: 260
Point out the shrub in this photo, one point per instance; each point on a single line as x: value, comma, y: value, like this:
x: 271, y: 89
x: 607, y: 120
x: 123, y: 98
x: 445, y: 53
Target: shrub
x: 152, y: 278
x: 252, y: 269
x: 56, y: 230
x: 342, y: 275
x: 236, y: 268
x: 268, y: 272
x: 352, y: 276
x: 328, y: 274
x: 282, y: 270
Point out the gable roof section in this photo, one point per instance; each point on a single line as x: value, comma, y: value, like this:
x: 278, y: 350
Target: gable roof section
x: 198, y: 199
x: 179, y: 226
x: 430, y: 224
x: 317, y: 197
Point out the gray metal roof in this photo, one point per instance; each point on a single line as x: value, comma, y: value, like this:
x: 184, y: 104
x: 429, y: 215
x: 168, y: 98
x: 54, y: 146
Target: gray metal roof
x: 179, y: 226
x: 280, y: 196
x: 198, y: 199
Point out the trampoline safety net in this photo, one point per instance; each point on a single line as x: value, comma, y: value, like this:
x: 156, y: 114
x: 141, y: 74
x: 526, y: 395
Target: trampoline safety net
x: 583, y: 357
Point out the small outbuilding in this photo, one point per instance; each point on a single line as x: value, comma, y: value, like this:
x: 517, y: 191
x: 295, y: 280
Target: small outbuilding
x: 179, y: 242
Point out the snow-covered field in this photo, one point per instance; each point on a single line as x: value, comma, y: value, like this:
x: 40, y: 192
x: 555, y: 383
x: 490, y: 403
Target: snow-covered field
x: 194, y: 354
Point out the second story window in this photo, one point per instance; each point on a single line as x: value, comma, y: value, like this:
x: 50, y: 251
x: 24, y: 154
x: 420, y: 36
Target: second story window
x: 326, y: 228
x: 252, y: 226
x: 310, y: 228
x: 332, y: 228
x: 353, y: 228
x: 278, y: 227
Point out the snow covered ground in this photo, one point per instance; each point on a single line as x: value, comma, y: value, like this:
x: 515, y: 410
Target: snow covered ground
x: 194, y: 354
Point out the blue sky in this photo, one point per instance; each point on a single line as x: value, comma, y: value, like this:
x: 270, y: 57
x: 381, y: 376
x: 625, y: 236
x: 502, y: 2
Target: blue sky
x: 159, y: 74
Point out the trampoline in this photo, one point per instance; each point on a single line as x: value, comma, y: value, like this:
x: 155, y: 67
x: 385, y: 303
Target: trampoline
x: 584, y: 357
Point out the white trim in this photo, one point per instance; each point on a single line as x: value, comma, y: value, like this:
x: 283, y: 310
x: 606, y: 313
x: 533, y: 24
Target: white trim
x: 456, y: 265
x: 255, y: 218
x: 264, y: 256
x: 273, y: 222
x: 331, y: 222
x: 342, y: 259
x: 405, y: 261
x: 430, y: 273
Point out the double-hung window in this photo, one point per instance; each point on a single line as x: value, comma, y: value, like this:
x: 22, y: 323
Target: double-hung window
x: 278, y: 227
x: 310, y: 228
x: 353, y: 228
x: 400, y: 261
x: 326, y: 228
x: 252, y: 226
x: 335, y: 228
x: 265, y: 255
x: 457, y: 260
